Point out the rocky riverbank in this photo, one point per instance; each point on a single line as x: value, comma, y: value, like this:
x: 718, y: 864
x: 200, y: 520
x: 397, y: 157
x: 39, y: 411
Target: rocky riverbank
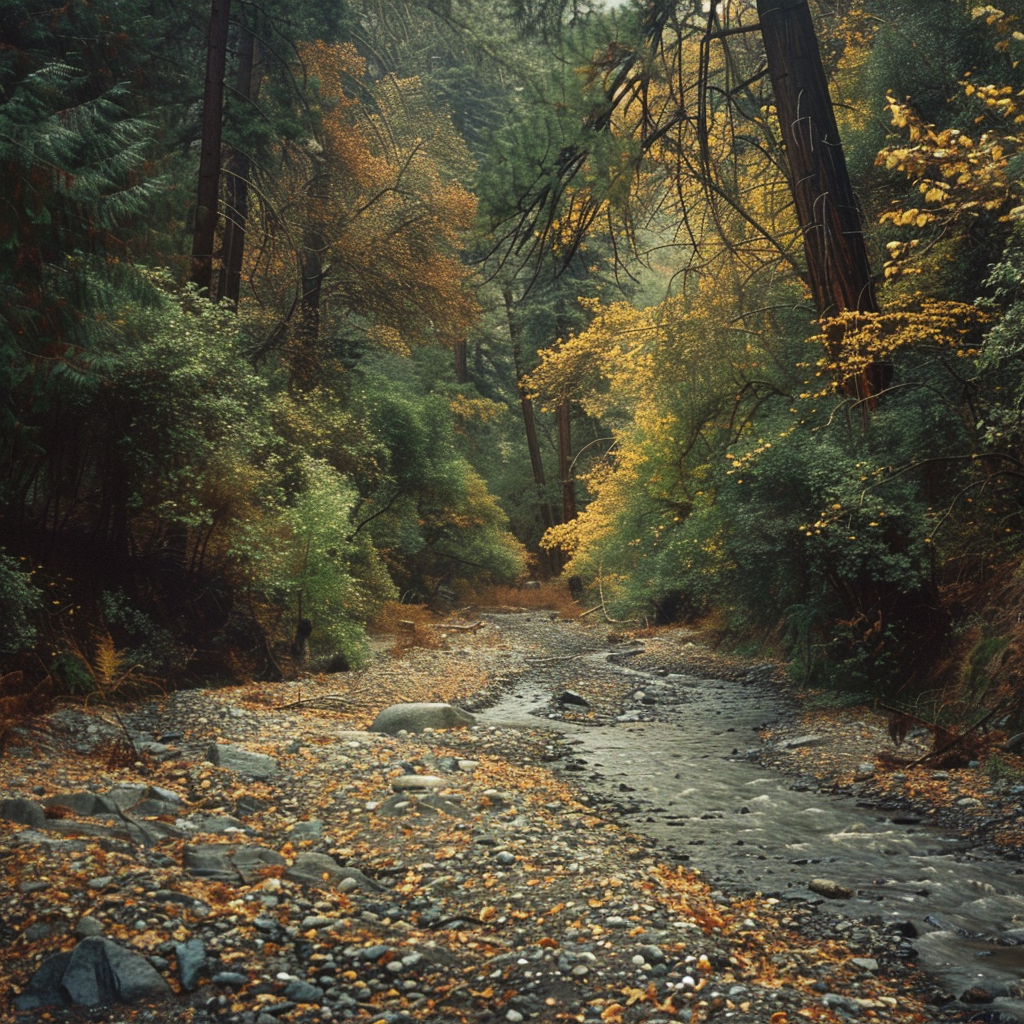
x: 255, y: 855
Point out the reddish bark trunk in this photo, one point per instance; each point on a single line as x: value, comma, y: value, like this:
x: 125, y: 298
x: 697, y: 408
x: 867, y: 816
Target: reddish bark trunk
x: 838, y: 268
x: 236, y: 214
x: 209, y: 151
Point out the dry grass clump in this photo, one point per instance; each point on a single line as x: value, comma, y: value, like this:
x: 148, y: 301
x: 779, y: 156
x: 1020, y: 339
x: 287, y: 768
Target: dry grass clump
x: 552, y: 595
x: 411, y: 625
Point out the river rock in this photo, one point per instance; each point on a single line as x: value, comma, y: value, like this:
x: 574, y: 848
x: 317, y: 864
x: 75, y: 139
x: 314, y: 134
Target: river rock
x: 829, y: 889
x: 977, y: 994
x: 798, y: 742
x: 415, y: 718
x: 572, y: 697
x: 191, y: 962
x: 418, y: 782
x: 238, y: 759
x: 96, y: 973
x: 23, y: 812
x: 319, y: 869
x: 222, y: 862
x: 84, y: 803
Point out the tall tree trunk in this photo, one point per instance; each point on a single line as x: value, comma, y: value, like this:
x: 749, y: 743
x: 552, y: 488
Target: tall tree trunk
x: 459, y: 351
x: 209, y: 153
x: 565, y: 462
x: 529, y: 423
x: 312, y: 271
x: 239, y: 167
x: 827, y: 209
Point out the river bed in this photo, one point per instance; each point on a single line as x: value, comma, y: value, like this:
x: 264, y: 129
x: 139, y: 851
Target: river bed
x: 681, y: 768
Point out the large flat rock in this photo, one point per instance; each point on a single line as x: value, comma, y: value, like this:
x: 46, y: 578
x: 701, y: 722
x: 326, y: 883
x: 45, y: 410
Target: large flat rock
x: 414, y: 718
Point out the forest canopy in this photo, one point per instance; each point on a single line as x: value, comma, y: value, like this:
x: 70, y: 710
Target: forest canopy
x: 308, y: 311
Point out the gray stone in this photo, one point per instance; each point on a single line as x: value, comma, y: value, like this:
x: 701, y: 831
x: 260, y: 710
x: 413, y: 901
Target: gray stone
x: 215, y: 823
x: 23, y: 812
x: 303, y: 992
x: 152, y: 806
x: 829, y: 889
x: 865, y: 963
x: 40, y: 930
x: 803, y: 741
x: 311, y: 869
x: 84, y: 803
x: 307, y: 829
x: 418, y: 782
x: 238, y: 759
x: 87, y: 927
x: 231, y: 978
x: 44, y: 988
x: 445, y: 806
x: 191, y: 962
x: 127, y: 795
x: 417, y: 717
x: 222, y: 862
x: 1015, y: 744
x: 97, y: 972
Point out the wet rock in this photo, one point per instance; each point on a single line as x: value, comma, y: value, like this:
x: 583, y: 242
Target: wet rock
x: 829, y: 889
x: 572, y: 697
x: 238, y: 759
x: 977, y: 995
x: 414, y: 718
x: 96, y: 973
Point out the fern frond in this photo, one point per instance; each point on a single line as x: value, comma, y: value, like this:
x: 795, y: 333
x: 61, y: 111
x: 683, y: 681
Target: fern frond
x: 107, y: 664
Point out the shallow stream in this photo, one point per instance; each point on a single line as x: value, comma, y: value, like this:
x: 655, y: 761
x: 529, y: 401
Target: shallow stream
x: 685, y: 780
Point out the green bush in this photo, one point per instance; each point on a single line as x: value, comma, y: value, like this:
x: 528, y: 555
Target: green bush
x: 20, y: 599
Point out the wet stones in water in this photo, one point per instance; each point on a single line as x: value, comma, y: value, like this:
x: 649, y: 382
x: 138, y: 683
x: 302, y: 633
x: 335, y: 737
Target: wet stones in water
x: 829, y: 889
x: 976, y: 995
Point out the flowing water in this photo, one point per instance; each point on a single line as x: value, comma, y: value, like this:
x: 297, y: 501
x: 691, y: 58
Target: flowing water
x: 684, y: 780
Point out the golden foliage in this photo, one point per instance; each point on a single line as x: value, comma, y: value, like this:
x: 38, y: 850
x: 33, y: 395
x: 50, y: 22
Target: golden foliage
x: 854, y: 342
x: 377, y: 197
x: 959, y: 175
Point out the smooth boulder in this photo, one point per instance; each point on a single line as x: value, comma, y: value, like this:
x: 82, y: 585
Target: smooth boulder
x: 417, y: 717
x: 96, y: 973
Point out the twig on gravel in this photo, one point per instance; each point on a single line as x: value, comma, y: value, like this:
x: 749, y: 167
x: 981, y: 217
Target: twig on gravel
x: 957, y: 740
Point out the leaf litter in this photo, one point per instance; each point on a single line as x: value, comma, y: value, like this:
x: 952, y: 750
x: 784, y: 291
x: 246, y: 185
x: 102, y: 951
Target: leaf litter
x: 497, y: 895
